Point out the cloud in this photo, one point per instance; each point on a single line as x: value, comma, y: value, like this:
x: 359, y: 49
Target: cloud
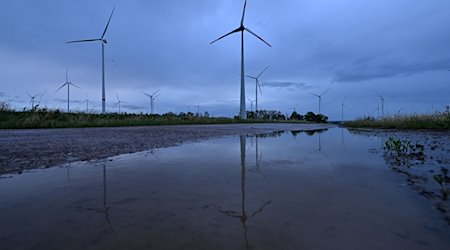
x: 286, y: 84
x: 364, y: 69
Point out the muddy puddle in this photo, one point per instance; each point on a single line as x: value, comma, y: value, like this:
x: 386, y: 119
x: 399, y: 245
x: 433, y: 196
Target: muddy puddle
x: 328, y: 189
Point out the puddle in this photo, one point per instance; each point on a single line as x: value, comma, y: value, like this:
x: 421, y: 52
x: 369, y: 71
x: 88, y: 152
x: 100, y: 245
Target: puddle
x: 330, y: 189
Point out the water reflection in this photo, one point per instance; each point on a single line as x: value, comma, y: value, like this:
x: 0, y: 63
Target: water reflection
x: 104, y: 209
x: 213, y: 195
x: 242, y: 215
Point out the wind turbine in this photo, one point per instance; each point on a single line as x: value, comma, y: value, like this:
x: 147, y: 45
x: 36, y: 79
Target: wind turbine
x: 68, y: 89
x: 251, y: 103
x: 152, y: 98
x: 188, y: 107
x: 343, y: 106
x: 103, y: 41
x: 382, y: 103
x: 320, y: 99
x: 257, y: 85
x: 118, y: 102
x: 33, y: 97
x: 198, y: 109
x: 87, y: 103
x: 242, y: 28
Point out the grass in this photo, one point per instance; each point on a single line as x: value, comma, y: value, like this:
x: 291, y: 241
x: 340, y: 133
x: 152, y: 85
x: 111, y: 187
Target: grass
x: 10, y: 119
x: 439, y: 120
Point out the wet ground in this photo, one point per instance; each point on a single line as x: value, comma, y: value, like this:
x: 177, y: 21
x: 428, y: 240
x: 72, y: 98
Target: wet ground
x: 328, y: 189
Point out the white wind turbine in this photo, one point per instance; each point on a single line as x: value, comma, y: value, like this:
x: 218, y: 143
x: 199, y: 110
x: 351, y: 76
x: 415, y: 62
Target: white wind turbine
x: 382, y: 103
x: 242, y: 28
x: 32, y: 98
x: 251, y: 103
x: 320, y: 99
x: 118, y: 102
x: 103, y: 41
x: 152, y: 98
x: 87, y: 103
x: 257, y: 85
x: 68, y: 89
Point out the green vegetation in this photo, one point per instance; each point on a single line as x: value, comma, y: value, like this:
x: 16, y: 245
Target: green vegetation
x: 47, y: 118
x: 439, y: 120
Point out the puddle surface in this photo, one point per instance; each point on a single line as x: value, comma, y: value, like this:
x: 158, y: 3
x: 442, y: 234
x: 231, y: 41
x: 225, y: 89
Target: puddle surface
x: 292, y: 190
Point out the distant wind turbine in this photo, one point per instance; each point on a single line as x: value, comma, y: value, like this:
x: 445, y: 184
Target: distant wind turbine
x: 103, y: 41
x: 320, y: 99
x: 87, y: 103
x: 152, y: 98
x: 251, y: 103
x: 242, y: 28
x: 118, y: 102
x: 188, y: 107
x: 382, y: 103
x: 33, y: 97
x: 68, y: 89
x: 343, y: 106
x: 257, y: 85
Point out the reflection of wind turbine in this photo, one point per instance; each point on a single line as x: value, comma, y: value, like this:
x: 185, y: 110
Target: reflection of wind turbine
x: 242, y: 28
x: 152, y: 100
x: 257, y: 85
x: 320, y: 99
x: 382, y: 103
x: 68, y: 89
x: 242, y: 215
x: 104, y: 209
x: 118, y: 102
x: 103, y: 42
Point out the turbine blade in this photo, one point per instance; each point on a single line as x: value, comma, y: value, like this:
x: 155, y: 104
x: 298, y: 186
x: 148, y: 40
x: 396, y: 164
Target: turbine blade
x: 314, y: 94
x: 250, y: 76
x: 253, y: 33
x: 86, y: 40
x: 147, y: 95
x: 234, y: 31
x: 325, y: 92
x: 61, y: 87
x: 156, y: 92
x: 243, y: 13
x: 29, y: 95
x: 263, y: 71
x: 74, y: 85
x: 259, y: 86
x: 109, y: 20
x: 67, y: 74
x: 117, y: 96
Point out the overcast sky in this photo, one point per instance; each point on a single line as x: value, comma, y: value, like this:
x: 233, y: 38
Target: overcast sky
x: 399, y: 48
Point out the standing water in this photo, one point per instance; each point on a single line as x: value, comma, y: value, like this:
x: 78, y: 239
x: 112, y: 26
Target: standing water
x: 327, y: 189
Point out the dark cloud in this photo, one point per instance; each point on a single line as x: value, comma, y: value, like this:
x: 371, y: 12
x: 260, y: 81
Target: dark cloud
x: 364, y: 69
x: 286, y: 84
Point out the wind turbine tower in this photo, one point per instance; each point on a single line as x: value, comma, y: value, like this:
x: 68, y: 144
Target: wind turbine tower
x: 242, y: 28
x: 343, y: 106
x: 118, y: 102
x: 320, y: 99
x: 382, y: 104
x: 152, y: 98
x: 68, y: 89
x: 103, y: 41
x: 257, y: 85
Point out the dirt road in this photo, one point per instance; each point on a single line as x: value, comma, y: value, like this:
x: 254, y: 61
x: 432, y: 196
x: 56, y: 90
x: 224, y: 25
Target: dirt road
x: 40, y: 148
